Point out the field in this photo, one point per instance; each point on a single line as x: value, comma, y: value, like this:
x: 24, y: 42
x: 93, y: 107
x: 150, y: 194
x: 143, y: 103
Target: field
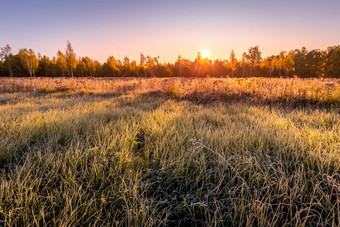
x: 169, y: 152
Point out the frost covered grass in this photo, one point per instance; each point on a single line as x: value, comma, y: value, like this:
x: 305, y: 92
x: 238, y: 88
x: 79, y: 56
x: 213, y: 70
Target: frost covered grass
x: 147, y: 159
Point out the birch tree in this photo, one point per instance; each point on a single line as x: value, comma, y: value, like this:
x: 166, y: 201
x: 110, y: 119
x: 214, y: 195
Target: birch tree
x: 6, y: 55
x: 28, y: 60
x: 71, y: 60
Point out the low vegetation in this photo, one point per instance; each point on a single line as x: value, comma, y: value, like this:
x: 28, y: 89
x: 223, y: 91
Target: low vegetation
x: 293, y: 91
x: 174, y: 152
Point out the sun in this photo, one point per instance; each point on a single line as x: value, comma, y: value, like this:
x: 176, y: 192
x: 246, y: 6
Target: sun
x: 205, y: 53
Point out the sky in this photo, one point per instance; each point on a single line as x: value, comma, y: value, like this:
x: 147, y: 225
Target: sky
x: 168, y: 28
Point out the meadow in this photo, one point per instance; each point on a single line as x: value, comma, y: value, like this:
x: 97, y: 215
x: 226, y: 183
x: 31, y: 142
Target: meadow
x: 169, y: 152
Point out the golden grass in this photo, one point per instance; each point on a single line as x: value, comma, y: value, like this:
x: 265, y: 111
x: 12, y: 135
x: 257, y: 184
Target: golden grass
x: 293, y: 91
x: 143, y: 152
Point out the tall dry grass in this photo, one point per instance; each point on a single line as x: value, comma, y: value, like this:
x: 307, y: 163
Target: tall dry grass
x: 115, y: 156
x: 293, y: 91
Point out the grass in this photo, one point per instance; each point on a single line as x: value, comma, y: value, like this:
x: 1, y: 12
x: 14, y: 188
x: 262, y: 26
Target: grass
x: 174, y: 152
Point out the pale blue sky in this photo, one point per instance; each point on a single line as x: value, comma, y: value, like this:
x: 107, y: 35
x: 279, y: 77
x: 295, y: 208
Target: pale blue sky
x: 168, y: 28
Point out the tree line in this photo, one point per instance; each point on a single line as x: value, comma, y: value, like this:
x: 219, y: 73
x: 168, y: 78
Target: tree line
x: 298, y: 62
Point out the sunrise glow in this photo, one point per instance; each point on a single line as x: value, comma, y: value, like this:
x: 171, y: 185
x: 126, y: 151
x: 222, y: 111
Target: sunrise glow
x: 205, y: 53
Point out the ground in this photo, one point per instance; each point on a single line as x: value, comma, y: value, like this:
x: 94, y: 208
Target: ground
x: 175, y: 152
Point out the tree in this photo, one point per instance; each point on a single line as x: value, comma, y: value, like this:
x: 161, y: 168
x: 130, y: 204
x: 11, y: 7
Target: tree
x: 332, y: 62
x: 142, y: 71
x: 179, y: 63
x: 265, y: 66
x: 142, y: 60
x: 126, y: 62
x: 152, y: 65
x: 1, y: 68
x: 273, y: 64
x: 28, y: 60
x: 281, y: 61
x: 126, y: 67
x: 6, y: 55
x: 232, y: 62
x: 314, y: 63
x: 133, y: 68
x: 112, y: 63
x: 289, y: 66
x: 300, y: 62
x: 182, y: 67
x: 54, y: 69
x: 44, y: 66
x: 97, y: 66
x: 81, y: 67
x: 90, y: 66
x: 61, y: 63
x: 254, y: 57
x: 219, y: 68
x: 299, y: 58
x: 244, y: 63
x: 70, y: 56
x: 197, y: 64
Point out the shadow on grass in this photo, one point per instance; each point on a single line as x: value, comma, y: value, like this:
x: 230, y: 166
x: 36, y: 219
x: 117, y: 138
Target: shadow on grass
x: 255, y: 99
x: 206, y: 98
